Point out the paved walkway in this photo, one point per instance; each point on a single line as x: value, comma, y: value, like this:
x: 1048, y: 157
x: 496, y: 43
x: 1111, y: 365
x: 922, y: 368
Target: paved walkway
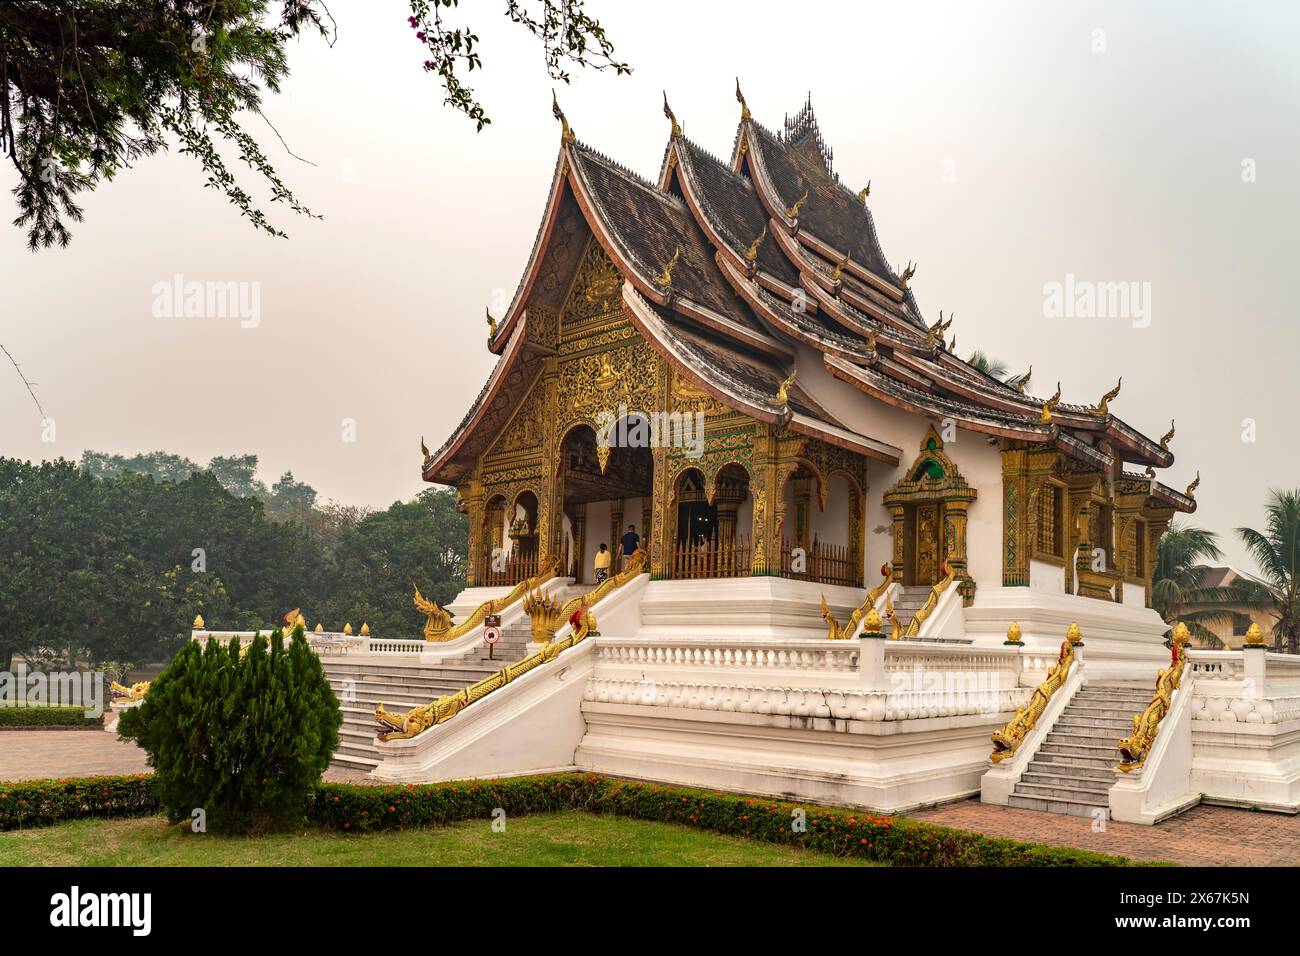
x: 36, y: 754
x: 1203, y: 836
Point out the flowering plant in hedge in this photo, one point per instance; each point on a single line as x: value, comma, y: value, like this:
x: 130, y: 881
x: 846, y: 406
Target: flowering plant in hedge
x: 46, y: 717
x: 242, y: 736
x: 40, y: 803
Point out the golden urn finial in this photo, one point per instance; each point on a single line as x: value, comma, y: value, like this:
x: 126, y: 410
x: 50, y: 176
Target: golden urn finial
x: 566, y: 134
x: 1254, y: 635
x: 871, y: 624
x: 864, y: 192
x: 198, y: 622
x: 668, y: 112
x: 1181, y: 634
x: 1074, y: 633
x: 740, y: 98
x: 347, y: 628
x: 320, y: 628
x: 300, y: 621
x: 1013, y: 633
x: 1196, y: 483
x: 1051, y: 403
x: 1168, y: 436
x: 666, y: 280
x: 793, y: 211
x: 1103, y: 406
x: 365, y: 629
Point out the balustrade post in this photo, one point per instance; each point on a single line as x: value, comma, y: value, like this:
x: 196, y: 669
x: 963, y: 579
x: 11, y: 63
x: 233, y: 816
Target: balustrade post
x: 871, y: 654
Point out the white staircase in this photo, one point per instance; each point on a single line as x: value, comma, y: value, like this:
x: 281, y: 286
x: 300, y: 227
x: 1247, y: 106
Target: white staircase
x: 1074, y: 769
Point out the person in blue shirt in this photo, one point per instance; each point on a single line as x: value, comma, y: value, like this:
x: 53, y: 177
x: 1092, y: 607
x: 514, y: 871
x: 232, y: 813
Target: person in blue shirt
x: 628, y: 544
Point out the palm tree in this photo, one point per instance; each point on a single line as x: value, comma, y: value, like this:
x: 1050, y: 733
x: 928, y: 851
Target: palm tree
x: 1177, y: 589
x: 987, y: 364
x: 1276, y: 551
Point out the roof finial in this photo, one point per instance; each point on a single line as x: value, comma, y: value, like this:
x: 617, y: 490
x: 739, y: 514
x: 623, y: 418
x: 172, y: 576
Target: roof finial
x: 668, y: 112
x: 1050, y: 404
x: 492, y: 323
x: 871, y: 342
x: 740, y: 98
x: 783, y: 391
x: 1023, y: 381
x: 1103, y: 406
x: 839, y: 268
x: 666, y: 280
x: 907, y: 274
x: 793, y: 211
x: 864, y: 192
x: 1168, y: 436
x: 424, y: 449
x: 751, y: 254
x: 566, y: 134
x: 1196, y: 482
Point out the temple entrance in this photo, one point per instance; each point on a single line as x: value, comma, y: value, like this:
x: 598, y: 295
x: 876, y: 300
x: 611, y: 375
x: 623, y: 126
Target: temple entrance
x: 705, y: 541
x: 929, y: 507
x: 605, y: 490
x: 819, y: 528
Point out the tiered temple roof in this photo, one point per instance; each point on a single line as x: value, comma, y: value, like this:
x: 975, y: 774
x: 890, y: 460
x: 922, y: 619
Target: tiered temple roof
x: 727, y: 266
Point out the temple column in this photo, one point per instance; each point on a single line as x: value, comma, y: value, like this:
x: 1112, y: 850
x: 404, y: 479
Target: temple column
x: 954, y: 532
x: 899, y: 531
x: 471, y: 499
x: 579, y: 519
x: 1015, y: 518
x: 616, y: 526
x: 802, y: 504
x: 659, y: 535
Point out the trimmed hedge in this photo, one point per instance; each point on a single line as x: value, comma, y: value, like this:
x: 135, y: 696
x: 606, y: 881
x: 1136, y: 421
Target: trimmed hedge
x: 840, y: 832
x: 47, y: 717
x: 354, y: 808
x: 40, y: 803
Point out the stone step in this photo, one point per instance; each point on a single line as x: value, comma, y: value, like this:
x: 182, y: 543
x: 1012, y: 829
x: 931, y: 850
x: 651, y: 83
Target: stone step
x: 1067, y: 776
x: 1059, y: 765
x: 1096, y: 727
x: 1083, y: 745
x: 1101, y: 757
x: 1072, y: 807
x: 1063, y: 790
x: 1106, y: 712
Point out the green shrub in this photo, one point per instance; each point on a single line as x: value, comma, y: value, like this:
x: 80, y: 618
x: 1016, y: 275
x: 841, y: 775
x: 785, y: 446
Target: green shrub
x: 47, y: 717
x: 40, y: 803
x: 244, y: 738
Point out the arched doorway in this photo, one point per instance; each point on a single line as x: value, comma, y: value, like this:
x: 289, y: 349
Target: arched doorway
x: 605, y: 490
x: 708, y: 537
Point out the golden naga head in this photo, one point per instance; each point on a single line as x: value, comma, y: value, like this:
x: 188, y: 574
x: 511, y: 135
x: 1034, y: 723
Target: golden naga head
x: 751, y: 254
x: 1049, y: 405
x: 793, y: 211
x: 906, y: 275
x: 1103, y: 406
x: 783, y: 392
x: 668, y: 113
x: 666, y: 279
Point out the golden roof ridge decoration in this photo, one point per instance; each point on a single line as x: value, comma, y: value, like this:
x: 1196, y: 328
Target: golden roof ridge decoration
x: 1051, y: 403
x: 665, y: 280
x: 1103, y: 406
x: 424, y: 449
x: 906, y: 275
x: 751, y: 254
x: 740, y: 98
x: 1196, y: 483
x: 491, y: 323
x: 864, y: 192
x: 793, y: 211
x: 839, y: 268
x: 672, y: 118
x: 566, y: 133
x: 1022, y: 382
x: 1168, y: 436
x: 783, y: 392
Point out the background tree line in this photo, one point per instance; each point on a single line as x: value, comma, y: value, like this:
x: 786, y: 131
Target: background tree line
x: 98, y: 560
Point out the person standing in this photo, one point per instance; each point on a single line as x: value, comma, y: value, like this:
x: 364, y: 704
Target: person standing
x: 602, y: 563
x: 628, y: 544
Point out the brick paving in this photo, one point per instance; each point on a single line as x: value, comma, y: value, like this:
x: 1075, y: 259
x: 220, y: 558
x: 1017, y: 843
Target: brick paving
x: 1203, y: 836
x: 37, y: 754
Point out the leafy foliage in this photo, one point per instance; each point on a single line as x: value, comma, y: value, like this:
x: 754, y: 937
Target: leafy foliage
x: 1177, y: 589
x: 87, y: 87
x: 46, y: 717
x: 43, y: 803
x: 1276, y: 551
x: 242, y: 737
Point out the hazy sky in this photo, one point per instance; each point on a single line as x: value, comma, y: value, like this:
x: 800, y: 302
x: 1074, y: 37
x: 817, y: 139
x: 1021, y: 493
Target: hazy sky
x: 1005, y: 151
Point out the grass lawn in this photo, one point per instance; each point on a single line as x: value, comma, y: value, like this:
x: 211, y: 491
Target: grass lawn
x: 544, y: 839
